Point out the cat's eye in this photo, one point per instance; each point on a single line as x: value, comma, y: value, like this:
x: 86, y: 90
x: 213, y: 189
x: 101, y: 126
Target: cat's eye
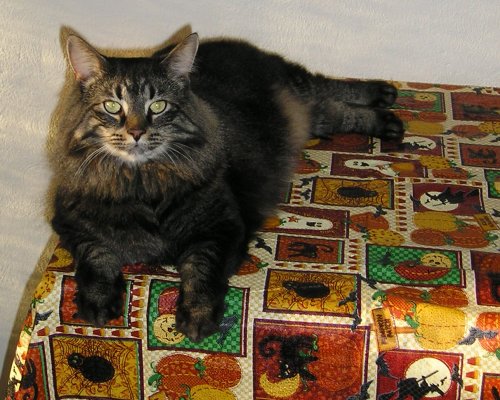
x: 158, y: 107
x: 113, y: 107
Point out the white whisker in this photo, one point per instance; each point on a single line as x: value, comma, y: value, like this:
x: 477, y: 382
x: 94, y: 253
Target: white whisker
x: 179, y: 155
x: 83, y: 166
x: 179, y: 148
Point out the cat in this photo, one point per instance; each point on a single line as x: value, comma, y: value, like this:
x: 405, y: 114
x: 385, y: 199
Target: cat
x: 294, y: 353
x: 178, y: 158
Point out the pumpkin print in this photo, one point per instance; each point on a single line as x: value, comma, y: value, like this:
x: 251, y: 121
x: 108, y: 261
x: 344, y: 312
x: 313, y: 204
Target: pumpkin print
x: 472, y: 132
x: 448, y: 296
x: 405, y: 115
x: 400, y: 300
x: 365, y: 221
x: 470, y: 236
x: 431, y: 116
x: 451, y: 173
x: 436, y: 220
x: 251, y: 266
x: 403, y: 300
x: 337, y: 370
x: 164, y: 329
x: 428, y: 237
x: 492, y: 127
x: 178, y: 371
x: 207, y: 392
x: 385, y: 237
x: 418, y: 272
x: 490, y: 321
x: 437, y: 327
x: 434, y: 162
x: 221, y: 371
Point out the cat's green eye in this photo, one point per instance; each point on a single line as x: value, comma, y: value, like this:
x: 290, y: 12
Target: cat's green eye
x: 113, y: 107
x: 158, y: 107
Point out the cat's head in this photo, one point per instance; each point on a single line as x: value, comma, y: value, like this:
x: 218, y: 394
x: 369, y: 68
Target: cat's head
x: 134, y: 110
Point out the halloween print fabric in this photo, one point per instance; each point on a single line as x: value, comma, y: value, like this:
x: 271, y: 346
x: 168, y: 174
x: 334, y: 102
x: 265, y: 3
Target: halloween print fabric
x: 378, y: 278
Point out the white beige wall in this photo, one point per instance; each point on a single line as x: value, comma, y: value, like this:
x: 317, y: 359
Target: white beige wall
x: 433, y: 41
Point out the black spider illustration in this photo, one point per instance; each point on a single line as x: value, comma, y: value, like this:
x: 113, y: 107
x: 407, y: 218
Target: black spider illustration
x: 309, y: 290
x: 93, y: 368
x: 356, y: 192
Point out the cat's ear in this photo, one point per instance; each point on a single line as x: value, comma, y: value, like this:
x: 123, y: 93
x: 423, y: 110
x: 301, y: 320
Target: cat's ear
x: 180, y: 60
x: 85, y: 61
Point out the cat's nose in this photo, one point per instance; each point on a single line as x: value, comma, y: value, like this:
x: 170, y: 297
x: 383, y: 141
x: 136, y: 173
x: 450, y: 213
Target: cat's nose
x: 136, y: 133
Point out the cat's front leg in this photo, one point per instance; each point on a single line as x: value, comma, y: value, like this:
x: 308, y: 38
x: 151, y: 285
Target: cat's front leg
x: 200, y: 306
x: 100, y: 285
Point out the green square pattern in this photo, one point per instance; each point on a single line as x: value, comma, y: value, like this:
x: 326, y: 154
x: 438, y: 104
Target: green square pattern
x: 381, y: 260
x: 420, y: 101
x: 232, y: 343
x: 491, y: 176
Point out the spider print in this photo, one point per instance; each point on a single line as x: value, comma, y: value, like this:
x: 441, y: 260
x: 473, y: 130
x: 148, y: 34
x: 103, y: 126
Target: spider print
x: 94, y: 368
x: 353, y: 193
x: 89, y: 351
x: 309, y: 294
x: 362, y: 193
x: 85, y: 366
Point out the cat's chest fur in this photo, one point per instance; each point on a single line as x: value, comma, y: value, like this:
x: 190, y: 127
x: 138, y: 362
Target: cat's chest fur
x: 148, y: 217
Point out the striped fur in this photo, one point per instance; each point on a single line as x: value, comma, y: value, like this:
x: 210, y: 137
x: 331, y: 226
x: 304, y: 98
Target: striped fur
x: 191, y: 184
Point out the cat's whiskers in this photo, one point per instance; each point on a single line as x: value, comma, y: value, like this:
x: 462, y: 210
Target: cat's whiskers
x: 181, y: 154
x: 84, y: 145
x: 167, y: 154
x: 85, y: 163
x: 185, y: 158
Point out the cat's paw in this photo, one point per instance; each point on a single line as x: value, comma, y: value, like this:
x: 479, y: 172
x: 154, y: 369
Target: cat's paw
x: 98, y: 304
x: 198, y: 321
x: 388, y: 126
x: 383, y: 94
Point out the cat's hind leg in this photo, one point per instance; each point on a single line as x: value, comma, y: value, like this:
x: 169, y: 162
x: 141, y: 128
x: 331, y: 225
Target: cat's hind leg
x: 330, y: 117
x: 348, y: 106
x: 368, y: 93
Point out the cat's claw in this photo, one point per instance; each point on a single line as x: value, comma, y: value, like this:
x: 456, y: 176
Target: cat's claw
x: 389, y: 126
x: 197, y: 322
x: 385, y: 94
x: 98, y: 308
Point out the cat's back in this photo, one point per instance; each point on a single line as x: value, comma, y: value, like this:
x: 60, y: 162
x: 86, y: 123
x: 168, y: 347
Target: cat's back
x: 232, y: 57
x: 238, y: 70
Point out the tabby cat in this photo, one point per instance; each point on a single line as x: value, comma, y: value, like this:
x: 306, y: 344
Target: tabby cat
x: 178, y: 158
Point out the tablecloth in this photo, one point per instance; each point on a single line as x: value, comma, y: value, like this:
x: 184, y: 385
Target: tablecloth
x: 378, y: 278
